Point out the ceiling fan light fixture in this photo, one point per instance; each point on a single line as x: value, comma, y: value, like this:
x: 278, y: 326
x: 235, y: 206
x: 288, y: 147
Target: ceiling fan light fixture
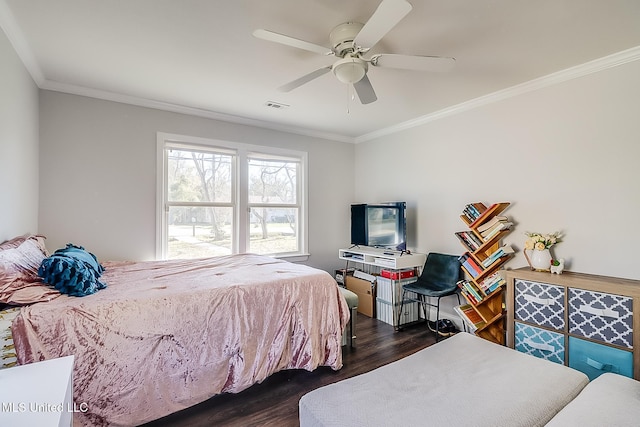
x: 350, y: 70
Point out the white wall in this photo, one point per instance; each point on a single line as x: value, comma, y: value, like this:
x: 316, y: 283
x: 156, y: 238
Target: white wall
x: 98, y: 176
x: 565, y: 156
x: 18, y: 146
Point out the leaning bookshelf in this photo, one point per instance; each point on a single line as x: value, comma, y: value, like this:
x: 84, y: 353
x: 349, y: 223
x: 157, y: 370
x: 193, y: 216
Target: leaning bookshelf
x: 483, y: 286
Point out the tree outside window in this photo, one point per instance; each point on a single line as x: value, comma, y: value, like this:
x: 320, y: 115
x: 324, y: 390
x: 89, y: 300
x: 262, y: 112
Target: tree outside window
x: 205, y: 212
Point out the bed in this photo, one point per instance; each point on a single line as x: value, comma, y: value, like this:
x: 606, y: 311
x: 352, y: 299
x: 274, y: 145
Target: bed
x: 463, y: 380
x: 165, y: 335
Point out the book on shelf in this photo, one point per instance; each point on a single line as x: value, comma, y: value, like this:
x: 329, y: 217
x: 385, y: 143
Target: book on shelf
x: 468, y: 297
x: 466, y: 242
x: 466, y: 294
x: 474, y: 237
x: 495, y: 230
x: 468, y: 287
x: 473, y: 270
x: 497, y: 254
x: 479, y: 221
x: 497, y: 224
x: 495, y: 286
x: 474, y: 264
x: 487, y: 263
x: 493, y: 221
x: 504, y: 249
x: 469, y: 214
x: 473, y: 211
x: 477, y: 209
x: 474, y: 241
x: 469, y: 316
x: 491, y: 283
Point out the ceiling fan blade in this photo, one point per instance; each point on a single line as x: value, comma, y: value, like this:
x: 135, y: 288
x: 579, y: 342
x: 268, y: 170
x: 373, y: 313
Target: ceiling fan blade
x: 414, y: 62
x: 290, y: 41
x: 365, y: 91
x: 388, y: 14
x: 304, y: 79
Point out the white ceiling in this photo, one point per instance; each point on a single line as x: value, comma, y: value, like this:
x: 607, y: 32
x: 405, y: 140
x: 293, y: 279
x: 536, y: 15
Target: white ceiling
x: 199, y: 56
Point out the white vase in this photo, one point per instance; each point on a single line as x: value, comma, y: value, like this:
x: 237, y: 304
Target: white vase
x: 540, y: 260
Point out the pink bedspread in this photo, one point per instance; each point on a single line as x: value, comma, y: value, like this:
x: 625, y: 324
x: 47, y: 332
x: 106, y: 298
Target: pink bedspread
x: 165, y: 335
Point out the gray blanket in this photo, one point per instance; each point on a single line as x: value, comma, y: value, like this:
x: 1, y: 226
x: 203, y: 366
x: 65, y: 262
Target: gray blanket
x: 461, y: 381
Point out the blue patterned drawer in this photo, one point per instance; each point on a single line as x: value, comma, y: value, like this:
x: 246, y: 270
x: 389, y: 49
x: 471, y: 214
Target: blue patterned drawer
x: 602, y: 317
x: 595, y: 359
x: 540, y: 304
x: 540, y: 343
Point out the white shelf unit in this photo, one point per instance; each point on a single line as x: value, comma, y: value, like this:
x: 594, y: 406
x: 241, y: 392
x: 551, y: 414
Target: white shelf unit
x: 382, y: 258
x: 388, y: 296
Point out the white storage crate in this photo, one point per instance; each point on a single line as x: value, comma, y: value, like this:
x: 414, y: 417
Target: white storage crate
x: 388, y: 313
x: 391, y: 290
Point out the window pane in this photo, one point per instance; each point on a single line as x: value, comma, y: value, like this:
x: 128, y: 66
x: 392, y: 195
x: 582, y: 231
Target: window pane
x: 199, y: 177
x: 273, y: 230
x: 196, y: 232
x: 273, y: 181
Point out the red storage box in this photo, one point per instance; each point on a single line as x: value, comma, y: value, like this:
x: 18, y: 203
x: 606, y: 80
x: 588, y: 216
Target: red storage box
x: 398, y: 274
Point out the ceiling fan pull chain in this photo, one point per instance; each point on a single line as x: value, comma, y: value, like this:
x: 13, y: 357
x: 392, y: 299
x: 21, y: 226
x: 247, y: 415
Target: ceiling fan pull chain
x: 349, y: 99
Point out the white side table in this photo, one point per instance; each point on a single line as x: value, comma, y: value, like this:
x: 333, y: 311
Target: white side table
x: 38, y: 394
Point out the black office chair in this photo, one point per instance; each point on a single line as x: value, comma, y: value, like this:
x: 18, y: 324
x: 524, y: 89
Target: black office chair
x: 439, y: 278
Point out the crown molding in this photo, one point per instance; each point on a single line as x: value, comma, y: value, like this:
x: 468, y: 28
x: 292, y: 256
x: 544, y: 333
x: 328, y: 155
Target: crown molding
x: 575, y: 72
x: 14, y: 34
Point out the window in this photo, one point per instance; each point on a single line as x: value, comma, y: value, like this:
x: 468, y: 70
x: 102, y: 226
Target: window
x: 218, y: 198
x: 273, y: 204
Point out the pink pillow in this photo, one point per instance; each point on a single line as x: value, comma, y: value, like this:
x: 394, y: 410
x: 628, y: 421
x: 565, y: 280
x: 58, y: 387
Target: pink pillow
x: 20, y: 259
x: 17, y: 241
x: 25, y: 259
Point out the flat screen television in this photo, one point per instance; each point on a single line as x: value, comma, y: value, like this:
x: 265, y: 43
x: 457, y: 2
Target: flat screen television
x: 381, y: 225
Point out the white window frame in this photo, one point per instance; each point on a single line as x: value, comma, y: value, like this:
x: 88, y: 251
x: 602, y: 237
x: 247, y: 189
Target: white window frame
x: 262, y: 155
x: 240, y: 198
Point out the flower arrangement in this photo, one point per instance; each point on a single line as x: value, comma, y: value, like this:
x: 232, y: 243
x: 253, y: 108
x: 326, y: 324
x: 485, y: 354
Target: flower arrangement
x: 541, y: 241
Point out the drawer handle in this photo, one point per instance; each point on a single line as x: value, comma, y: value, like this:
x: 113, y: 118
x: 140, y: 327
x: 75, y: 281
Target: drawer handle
x: 599, y: 311
x: 595, y: 364
x: 537, y: 300
x: 538, y: 346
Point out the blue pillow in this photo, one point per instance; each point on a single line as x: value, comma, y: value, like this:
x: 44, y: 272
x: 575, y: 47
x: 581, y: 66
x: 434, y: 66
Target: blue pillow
x: 72, y: 271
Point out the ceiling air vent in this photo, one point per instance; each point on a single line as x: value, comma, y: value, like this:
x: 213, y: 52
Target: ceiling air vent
x: 276, y: 105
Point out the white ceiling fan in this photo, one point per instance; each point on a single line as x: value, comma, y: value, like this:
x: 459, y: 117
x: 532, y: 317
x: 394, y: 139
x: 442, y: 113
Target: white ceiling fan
x: 350, y: 41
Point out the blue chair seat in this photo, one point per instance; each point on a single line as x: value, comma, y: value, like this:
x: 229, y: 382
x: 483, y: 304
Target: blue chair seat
x: 427, y: 290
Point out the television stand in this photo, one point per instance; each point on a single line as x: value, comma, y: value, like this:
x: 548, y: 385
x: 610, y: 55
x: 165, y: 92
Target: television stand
x: 385, y: 258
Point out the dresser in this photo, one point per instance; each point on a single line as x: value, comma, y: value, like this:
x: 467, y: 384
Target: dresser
x: 39, y: 394
x: 588, y: 322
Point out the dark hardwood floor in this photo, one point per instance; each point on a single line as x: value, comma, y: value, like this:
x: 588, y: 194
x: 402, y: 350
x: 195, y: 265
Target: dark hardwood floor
x: 275, y: 401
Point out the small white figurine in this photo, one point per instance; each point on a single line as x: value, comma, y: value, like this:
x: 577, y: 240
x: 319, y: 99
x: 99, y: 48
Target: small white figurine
x: 557, y: 268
